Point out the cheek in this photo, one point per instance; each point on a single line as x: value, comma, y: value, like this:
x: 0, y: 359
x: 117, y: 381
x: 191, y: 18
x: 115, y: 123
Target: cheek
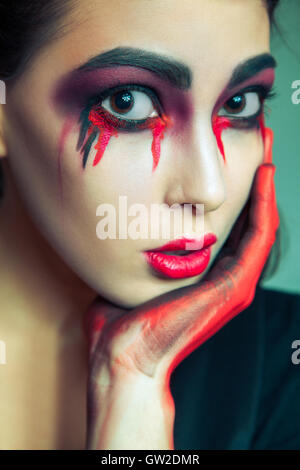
x: 244, y: 153
x: 32, y: 155
x: 125, y: 168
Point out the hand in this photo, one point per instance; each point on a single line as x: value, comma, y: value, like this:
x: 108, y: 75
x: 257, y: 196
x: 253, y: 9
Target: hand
x: 152, y: 339
x: 156, y: 336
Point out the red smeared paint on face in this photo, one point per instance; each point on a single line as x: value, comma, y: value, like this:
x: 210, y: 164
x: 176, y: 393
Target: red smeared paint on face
x: 220, y: 123
x: 158, y: 127
x: 108, y: 125
x: 106, y: 131
x: 261, y: 121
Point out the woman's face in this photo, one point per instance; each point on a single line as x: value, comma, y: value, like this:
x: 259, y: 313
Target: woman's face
x: 50, y: 106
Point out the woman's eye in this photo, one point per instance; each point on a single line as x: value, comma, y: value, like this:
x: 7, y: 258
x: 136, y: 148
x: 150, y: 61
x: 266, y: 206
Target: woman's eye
x: 242, y: 105
x: 132, y: 104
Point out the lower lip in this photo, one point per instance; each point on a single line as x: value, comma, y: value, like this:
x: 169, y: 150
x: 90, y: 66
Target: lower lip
x: 178, y: 267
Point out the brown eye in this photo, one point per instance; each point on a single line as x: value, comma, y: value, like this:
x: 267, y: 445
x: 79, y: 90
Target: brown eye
x: 242, y: 105
x: 122, y: 102
x: 133, y: 105
x: 236, y: 104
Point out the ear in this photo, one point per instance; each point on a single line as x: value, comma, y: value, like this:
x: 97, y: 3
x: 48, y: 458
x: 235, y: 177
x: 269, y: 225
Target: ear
x: 3, y: 148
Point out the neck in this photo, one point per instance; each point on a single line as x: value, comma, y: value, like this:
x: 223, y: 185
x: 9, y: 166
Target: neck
x: 36, y: 285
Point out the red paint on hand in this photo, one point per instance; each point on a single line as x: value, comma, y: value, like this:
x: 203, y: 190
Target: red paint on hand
x: 154, y: 338
x: 172, y: 325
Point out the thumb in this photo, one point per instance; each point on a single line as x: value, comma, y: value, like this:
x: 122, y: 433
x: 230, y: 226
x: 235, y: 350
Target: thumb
x: 98, y: 315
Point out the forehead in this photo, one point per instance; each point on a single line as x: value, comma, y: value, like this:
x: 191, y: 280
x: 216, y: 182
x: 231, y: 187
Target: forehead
x: 210, y: 36
x: 194, y: 30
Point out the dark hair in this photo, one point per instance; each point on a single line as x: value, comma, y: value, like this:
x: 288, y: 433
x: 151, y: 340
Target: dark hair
x: 271, y: 5
x: 27, y: 25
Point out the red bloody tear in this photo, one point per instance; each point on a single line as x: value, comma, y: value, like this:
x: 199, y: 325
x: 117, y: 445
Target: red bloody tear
x: 261, y: 121
x: 158, y: 128
x: 220, y: 123
x: 106, y: 131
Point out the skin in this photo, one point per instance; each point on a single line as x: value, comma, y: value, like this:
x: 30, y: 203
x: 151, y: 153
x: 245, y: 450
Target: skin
x: 52, y: 298
x: 133, y: 355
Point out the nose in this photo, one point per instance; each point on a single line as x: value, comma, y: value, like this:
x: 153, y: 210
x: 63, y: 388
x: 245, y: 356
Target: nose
x: 197, y: 170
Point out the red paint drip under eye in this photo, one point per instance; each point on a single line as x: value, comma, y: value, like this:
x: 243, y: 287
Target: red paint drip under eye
x: 220, y: 123
x: 261, y: 121
x: 107, y: 129
x: 158, y: 127
x: 106, y: 132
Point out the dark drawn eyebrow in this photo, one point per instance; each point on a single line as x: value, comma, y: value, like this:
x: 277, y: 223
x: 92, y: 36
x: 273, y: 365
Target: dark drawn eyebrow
x: 250, y: 68
x: 169, y: 69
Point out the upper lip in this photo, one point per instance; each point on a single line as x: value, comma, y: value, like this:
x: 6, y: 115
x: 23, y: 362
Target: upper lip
x: 180, y: 243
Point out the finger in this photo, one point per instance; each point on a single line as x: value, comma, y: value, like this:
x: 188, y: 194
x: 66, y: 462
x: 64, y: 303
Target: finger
x: 201, y: 310
x: 98, y: 315
x: 263, y: 223
x: 240, y: 225
x: 237, y: 231
x: 268, y: 143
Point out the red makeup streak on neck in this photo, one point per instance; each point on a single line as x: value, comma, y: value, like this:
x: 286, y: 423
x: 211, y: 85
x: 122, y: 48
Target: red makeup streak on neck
x: 106, y: 131
x: 220, y: 123
x: 66, y: 129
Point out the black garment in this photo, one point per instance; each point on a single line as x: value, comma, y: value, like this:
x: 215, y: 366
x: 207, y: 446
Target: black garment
x: 241, y: 389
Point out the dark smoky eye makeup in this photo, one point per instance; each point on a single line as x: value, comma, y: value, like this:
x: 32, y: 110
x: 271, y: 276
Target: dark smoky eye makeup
x: 121, y: 122
x: 264, y: 93
x: 95, y: 119
x: 125, y: 94
x: 89, y: 132
x: 126, y: 87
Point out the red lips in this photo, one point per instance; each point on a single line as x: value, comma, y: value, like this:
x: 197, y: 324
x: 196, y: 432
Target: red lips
x: 176, y: 266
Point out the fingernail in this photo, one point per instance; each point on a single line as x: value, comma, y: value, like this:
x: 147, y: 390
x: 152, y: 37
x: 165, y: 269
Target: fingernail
x: 268, y: 145
x: 267, y: 173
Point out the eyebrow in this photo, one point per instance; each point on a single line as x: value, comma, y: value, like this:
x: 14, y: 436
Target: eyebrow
x: 175, y: 72
x: 169, y: 69
x: 250, y: 68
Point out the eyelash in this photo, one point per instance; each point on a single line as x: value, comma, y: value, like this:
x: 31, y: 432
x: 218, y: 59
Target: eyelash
x: 94, y: 103
x: 265, y: 93
x: 124, y: 124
